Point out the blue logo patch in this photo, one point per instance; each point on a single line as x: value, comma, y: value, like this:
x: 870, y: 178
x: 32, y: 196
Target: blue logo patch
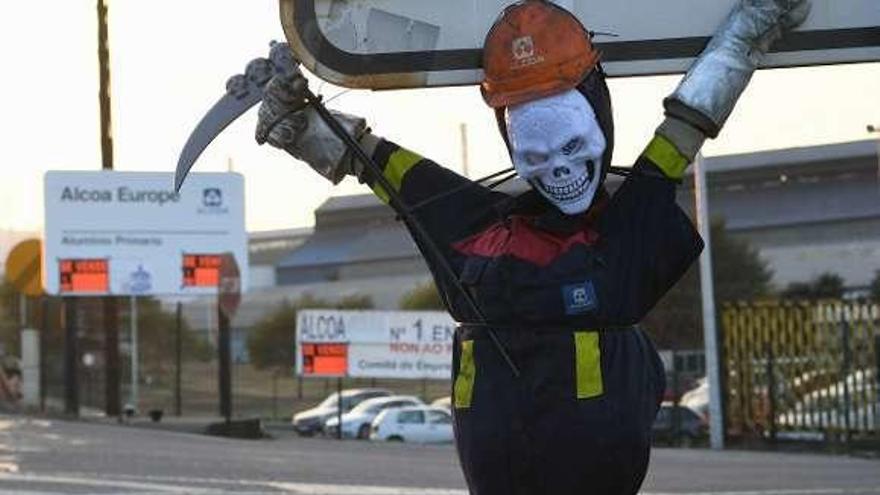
x: 579, y: 298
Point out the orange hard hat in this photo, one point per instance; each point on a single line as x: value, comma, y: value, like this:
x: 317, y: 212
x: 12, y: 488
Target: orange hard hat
x: 535, y: 49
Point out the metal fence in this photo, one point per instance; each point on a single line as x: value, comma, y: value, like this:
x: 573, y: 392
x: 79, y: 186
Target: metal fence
x: 802, y: 370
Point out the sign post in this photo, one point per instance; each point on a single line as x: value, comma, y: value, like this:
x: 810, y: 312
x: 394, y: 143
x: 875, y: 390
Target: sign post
x: 112, y: 379
x: 228, y: 299
x: 178, y: 360
x: 71, y: 362
x: 134, y: 393
x: 339, y: 408
x: 24, y: 272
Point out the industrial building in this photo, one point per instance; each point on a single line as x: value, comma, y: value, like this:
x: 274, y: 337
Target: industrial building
x: 806, y: 210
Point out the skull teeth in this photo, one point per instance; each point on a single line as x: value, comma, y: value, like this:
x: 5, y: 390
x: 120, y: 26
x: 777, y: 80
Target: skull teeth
x: 565, y: 192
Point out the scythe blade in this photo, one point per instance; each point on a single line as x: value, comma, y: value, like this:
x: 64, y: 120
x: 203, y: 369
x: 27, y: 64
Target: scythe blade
x: 223, y: 113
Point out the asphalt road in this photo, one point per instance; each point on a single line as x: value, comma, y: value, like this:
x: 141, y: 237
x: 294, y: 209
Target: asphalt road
x: 48, y: 456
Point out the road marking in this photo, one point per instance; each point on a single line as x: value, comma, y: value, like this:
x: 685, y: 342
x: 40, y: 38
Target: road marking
x: 106, y: 482
x: 784, y: 491
x: 196, y: 485
x: 328, y: 489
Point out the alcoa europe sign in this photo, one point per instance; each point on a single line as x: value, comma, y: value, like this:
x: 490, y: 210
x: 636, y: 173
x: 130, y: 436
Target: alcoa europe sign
x: 130, y: 233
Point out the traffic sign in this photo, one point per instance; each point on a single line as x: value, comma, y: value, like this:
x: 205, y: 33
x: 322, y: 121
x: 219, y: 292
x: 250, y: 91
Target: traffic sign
x: 374, y: 344
x: 383, y: 44
x: 24, y: 268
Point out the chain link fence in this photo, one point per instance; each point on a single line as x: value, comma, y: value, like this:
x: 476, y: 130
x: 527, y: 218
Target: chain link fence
x: 802, y: 370
x: 183, y: 382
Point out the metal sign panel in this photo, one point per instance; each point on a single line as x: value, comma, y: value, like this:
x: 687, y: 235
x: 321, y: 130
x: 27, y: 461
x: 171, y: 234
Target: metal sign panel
x: 384, y: 44
x: 374, y: 344
x: 129, y: 233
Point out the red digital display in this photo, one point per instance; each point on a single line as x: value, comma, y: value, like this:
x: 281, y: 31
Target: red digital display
x: 201, y: 270
x: 325, y: 359
x: 91, y: 276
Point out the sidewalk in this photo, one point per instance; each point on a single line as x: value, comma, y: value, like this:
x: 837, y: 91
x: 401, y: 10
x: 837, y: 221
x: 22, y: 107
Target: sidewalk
x: 186, y: 424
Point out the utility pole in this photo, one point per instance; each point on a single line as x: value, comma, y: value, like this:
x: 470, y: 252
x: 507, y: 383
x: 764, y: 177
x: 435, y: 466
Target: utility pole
x: 71, y: 357
x: 134, y: 395
x: 224, y: 355
x: 178, y: 361
x: 109, y: 303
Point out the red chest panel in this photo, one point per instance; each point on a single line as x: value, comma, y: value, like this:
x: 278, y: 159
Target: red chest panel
x: 522, y: 240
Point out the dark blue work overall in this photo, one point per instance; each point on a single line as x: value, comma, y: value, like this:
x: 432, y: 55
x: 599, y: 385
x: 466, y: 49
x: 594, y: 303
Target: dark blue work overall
x: 563, y: 295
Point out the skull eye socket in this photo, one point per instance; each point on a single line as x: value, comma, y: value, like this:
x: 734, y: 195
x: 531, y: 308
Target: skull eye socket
x: 572, y: 146
x: 535, y: 159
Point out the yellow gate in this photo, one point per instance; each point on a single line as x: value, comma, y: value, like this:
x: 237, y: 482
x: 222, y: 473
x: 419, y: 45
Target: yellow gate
x: 809, y: 369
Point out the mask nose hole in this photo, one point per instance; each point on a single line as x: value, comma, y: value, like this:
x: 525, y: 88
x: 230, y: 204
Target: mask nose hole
x: 561, y: 172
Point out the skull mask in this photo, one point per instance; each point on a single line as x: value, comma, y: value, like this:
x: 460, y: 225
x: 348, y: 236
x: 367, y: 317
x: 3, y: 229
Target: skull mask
x: 557, y: 146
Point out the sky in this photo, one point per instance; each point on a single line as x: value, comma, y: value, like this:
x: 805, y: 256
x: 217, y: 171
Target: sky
x: 170, y: 60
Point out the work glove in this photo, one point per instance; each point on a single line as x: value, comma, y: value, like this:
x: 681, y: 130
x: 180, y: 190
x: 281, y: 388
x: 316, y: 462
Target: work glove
x: 706, y: 96
x: 288, y: 122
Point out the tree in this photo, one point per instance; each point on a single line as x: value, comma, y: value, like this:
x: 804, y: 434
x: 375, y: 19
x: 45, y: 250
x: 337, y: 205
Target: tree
x: 423, y: 297
x: 825, y: 286
x: 738, y: 273
x: 271, y: 341
x: 157, y: 337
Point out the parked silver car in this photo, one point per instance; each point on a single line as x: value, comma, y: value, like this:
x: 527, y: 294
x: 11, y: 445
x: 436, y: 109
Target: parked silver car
x: 311, y: 421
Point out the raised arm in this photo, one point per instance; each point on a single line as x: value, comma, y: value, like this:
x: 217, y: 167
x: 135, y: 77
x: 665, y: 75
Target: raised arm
x: 702, y: 102
x: 288, y: 122
x: 649, y: 242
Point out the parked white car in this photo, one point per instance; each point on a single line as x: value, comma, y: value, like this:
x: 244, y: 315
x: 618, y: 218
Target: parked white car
x: 697, y: 398
x: 356, y: 423
x: 421, y: 424
x: 825, y: 408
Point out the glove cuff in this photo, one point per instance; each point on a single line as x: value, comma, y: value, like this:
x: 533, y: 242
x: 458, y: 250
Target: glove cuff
x: 355, y: 167
x: 706, y: 96
x: 687, y: 139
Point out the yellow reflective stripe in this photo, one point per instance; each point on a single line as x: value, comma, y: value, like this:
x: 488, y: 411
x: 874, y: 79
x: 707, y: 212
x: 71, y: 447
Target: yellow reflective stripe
x: 398, y: 165
x: 380, y: 193
x: 463, y: 389
x: 663, y: 153
x: 588, y: 365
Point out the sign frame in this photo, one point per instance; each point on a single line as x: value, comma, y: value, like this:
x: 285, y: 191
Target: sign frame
x: 828, y: 37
